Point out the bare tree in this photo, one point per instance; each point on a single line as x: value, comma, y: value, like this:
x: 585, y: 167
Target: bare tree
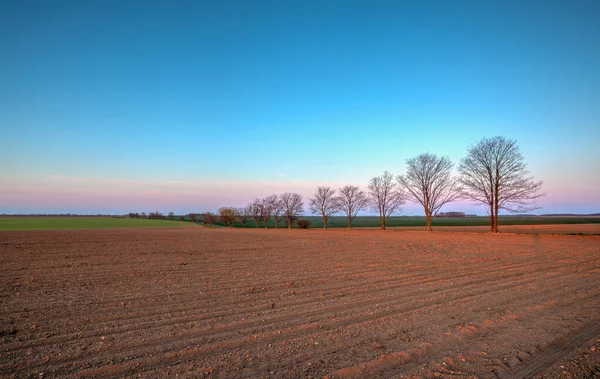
x: 292, y: 206
x: 277, y: 209
x: 386, y: 197
x: 227, y: 215
x: 256, y: 210
x: 352, y: 200
x: 493, y: 173
x: 268, y: 204
x: 325, y: 203
x: 429, y: 182
x: 193, y: 217
x: 171, y: 216
x: 244, y: 214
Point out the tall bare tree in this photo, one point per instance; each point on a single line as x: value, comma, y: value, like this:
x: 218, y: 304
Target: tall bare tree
x: 386, y: 197
x: 325, y: 203
x: 494, y: 173
x: 352, y: 200
x: 244, y: 214
x: 429, y: 182
x: 292, y: 206
x: 256, y: 210
x: 277, y: 209
x: 268, y: 204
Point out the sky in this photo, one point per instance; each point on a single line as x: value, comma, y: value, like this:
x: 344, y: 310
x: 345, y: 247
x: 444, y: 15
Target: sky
x: 119, y: 106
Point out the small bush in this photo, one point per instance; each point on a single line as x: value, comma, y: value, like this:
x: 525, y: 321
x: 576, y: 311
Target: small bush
x: 303, y: 224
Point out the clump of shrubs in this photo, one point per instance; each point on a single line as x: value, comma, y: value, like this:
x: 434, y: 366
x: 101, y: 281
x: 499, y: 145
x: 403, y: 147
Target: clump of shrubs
x: 303, y: 224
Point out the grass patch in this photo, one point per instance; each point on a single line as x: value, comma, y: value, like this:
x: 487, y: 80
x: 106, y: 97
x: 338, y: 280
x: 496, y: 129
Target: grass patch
x: 57, y: 223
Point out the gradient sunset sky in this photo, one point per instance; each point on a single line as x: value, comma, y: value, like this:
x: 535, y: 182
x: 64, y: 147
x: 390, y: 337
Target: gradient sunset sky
x: 118, y: 106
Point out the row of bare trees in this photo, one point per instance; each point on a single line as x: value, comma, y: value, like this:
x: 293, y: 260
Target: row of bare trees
x: 383, y: 196
x: 428, y: 181
x: 327, y: 202
x: 493, y: 173
x: 286, y: 207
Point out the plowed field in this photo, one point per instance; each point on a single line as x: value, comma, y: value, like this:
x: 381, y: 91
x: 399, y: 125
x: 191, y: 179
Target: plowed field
x: 199, y: 302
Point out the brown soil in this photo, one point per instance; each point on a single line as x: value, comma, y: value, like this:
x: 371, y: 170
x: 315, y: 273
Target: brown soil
x: 519, y: 229
x: 198, y: 302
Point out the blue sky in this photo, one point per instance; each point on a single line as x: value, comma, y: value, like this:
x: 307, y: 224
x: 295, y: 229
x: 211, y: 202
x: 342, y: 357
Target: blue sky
x: 187, y: 106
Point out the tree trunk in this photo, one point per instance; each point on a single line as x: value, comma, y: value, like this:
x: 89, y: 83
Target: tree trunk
x: 276, y: 222
x: 349, y: 223
x: 325, y: 222
x: 496, y: 213
x: 496, y: 220
x: 428, y: 222
x: 255, y: 220
x: 266, y: 222
x: 492, y: 219
x: 382, y: 220
x: 496, y: 193
x: 289, y: 219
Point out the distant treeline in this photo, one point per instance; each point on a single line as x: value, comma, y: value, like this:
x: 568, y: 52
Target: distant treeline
x: 558, y: 215
x: 454, y: 214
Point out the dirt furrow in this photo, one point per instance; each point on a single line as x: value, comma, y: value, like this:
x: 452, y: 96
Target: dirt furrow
x: 166, y: 345
x: 357, y: 304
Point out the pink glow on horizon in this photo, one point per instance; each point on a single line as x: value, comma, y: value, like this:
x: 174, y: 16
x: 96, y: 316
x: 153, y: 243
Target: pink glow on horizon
x: 51, y: 193
x: 76, y: 194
